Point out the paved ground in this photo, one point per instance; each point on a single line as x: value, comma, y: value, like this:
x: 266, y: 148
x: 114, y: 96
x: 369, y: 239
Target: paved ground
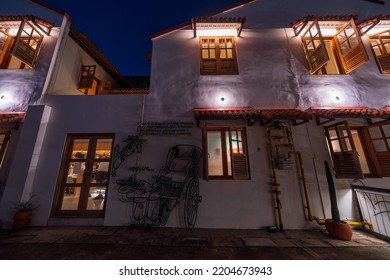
x: 119, y: 243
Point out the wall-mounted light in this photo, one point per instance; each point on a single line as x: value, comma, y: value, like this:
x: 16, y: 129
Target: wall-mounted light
x: 6, y: 100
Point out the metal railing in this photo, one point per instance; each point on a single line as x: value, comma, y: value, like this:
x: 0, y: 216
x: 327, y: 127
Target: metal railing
x: 374, y: 207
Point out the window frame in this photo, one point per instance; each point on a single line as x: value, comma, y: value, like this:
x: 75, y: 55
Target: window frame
x: 345, y: 159
x: 85, y: 181
x: 239, y: 162
x: 378, y: 162
x: 218, y: 60
x: 383, y: 60
x: 24, y: 46
x: 351, y: 54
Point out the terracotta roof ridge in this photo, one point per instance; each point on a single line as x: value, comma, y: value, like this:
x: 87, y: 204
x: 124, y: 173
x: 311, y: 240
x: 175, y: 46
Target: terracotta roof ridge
x: 338, y: 17
x: 29, y: 17
x: 130, y: 90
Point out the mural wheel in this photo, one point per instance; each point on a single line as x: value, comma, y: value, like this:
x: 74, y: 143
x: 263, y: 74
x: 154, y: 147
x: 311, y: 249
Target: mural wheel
x: 192, y: 200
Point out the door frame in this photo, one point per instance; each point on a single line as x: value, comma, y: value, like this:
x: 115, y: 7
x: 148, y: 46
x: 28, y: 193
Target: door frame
x: 86, y: 183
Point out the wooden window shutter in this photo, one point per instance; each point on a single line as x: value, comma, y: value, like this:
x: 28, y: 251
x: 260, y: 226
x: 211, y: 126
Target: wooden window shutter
x: 27, y: 43
x: 239, y: 159
x: 314, y: 47
x: 208, y: 55
x: 380, y: 139
x: 240, y: 166
x: 350, y: 47
x: 380, y: 44
x: 343, y: 152
x: 5, y: 47
x: 384, y: 63
x: 86, y: 76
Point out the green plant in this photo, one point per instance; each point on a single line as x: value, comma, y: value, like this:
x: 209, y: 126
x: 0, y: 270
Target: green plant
x: 24, y: 205
x: 332, y: 193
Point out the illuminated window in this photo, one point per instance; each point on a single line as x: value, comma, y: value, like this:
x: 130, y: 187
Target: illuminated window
x: 359, y: 152
x: 88, y: 84
x: 226, y: 154
x: 338, y: 53
x: 380, y: 44
x: 217, y: 56
x: 19, y: 46
x: 84, y: 177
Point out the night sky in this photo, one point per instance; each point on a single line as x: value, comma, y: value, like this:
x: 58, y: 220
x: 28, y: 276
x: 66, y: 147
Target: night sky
x: 122, y: 28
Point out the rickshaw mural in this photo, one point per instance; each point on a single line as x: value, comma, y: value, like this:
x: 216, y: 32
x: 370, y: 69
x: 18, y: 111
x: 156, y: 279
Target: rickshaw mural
x: 176, y: 184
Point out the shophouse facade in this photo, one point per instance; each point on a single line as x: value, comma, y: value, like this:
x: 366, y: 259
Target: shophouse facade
x: 244, y: 107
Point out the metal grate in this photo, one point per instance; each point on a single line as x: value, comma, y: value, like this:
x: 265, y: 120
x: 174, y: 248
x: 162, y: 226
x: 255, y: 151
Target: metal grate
x: 374, y: 207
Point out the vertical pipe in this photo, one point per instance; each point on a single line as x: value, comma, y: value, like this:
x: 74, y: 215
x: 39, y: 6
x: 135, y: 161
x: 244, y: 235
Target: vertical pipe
x: 275, y: 184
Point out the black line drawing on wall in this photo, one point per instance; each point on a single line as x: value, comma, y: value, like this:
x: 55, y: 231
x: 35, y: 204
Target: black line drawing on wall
x: 177, y: 182
x: 133, y: 144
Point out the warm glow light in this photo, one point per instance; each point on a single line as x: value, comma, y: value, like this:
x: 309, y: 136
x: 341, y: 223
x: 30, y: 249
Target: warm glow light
x: 334, y: 95
x: 216, y: 32
x: 6, y: 100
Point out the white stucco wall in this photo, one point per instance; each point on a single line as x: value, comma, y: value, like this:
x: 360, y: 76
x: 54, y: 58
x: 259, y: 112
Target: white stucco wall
x: 67, y: 76
x: 272, y: 74
x: 19, y: 88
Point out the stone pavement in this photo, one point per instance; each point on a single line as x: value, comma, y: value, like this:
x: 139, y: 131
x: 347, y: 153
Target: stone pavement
x: 118, y: 243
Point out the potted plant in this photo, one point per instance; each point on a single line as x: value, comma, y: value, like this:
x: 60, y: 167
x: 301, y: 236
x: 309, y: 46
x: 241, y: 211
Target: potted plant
x: 336, y: 228
x: 22, y: 215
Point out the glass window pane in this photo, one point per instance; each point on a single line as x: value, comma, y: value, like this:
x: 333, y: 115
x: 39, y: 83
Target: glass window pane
x: 228, y: 154
x: 239, y: 135
x: 336, y: 146
x: 353, y: 41
x: 379, y: 145
x: 222, y: 53
x: 349, y: 31
x: 96, y: 198
x: 222, y: 43
x: 341, y: 37
x: 80, y: 148
x: 204, y: 43
x: 332, y: 134
x: 346, y: 144
x: 375, y: 132
x: 70, y: 200
x: 212, y: 54
x: 229, y: 53
x: 377, y: 51
x: 75, y: 172
x: 386, y: 46
x: 100, y: 173
x: 103, y: 148
x: 205, y: 53
x: 234, y: 134
x: 386, y: 130
x: 214, y: 148
x: 229, y: 43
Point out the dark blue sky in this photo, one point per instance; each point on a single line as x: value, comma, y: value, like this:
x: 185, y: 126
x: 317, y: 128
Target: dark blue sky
x: 122, y: 28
